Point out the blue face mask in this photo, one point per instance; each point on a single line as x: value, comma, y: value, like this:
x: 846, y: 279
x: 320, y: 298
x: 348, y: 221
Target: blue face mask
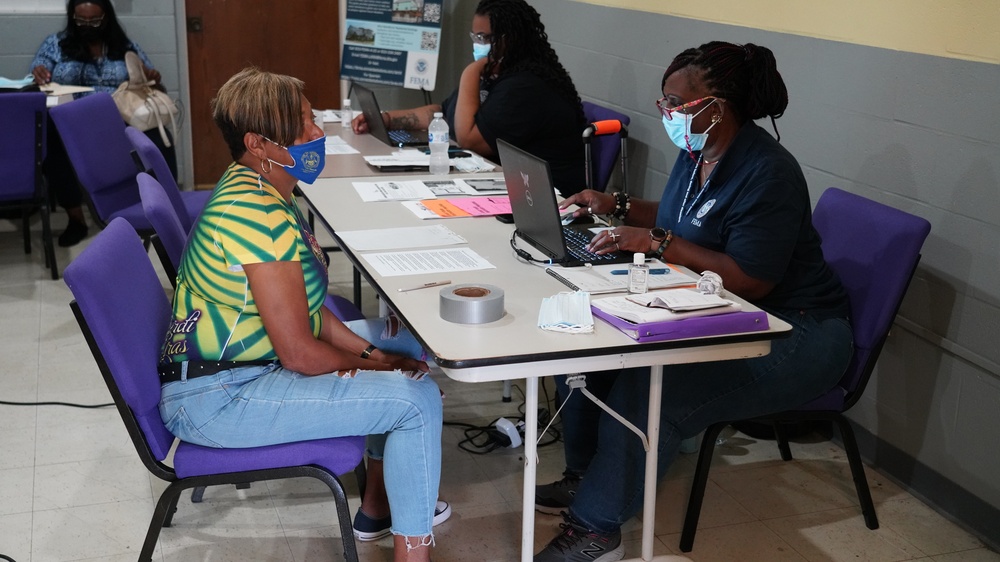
x: 480, y: 50
x: 679, y: 131
x: 307, y: 159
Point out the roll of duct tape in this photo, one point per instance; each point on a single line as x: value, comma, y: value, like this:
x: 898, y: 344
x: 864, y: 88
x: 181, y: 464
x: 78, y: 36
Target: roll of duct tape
x: 471, y: 304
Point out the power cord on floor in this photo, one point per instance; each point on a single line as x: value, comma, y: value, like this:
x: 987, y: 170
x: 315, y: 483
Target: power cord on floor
x: 70, y: 404
x: 5, y: 557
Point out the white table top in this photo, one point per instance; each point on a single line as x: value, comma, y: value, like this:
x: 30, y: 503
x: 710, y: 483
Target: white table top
x: 514, y: 346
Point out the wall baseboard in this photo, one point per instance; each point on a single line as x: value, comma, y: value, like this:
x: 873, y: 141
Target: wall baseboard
x: 945, y: 496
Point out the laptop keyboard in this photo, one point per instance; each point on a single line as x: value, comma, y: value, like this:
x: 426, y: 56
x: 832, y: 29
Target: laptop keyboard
x: 401, y: 136
x: 576, y: 246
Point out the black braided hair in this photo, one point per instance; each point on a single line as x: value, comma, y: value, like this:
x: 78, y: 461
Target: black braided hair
x: 517, y: 27
x: 75, y: 47
x: 746, y: 76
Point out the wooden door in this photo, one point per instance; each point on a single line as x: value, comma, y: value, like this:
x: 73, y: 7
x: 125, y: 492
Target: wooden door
x: 300, y: 38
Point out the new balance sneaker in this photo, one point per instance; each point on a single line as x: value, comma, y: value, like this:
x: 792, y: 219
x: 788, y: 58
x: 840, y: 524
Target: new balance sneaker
x: 556, y: 497
x: 367, y: 529
x: 577, y: 544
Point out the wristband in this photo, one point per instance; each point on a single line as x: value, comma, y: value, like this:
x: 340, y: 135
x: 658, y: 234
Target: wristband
x: 368, y: 351
x: 663, y: 245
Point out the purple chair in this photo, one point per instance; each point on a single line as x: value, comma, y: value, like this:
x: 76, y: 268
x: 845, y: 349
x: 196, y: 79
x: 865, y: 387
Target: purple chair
x: 604, y: 139
x: 171, y: 236
x: 124, y: 313
x: 187, y: 204
x: 93, y: 133
x: 22, y: 151
x: 874, y: 249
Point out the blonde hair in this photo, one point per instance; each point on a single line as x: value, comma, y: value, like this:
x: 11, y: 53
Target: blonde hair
x: 255, y: 101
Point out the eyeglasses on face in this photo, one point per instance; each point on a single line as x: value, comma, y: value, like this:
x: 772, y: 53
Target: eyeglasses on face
x: 88, y: 22
x: 481, y: 38
x: 682, y: 109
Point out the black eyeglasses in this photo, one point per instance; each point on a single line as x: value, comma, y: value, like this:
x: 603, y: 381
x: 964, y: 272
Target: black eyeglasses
x: 481, y: 38
x: 88, y: 22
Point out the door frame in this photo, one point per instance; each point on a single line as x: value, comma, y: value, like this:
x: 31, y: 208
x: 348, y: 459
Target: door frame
x: 180, y: 27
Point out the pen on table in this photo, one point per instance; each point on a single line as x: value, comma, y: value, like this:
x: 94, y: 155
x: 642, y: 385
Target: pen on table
x: 424, y: 286
x: 657, y: 271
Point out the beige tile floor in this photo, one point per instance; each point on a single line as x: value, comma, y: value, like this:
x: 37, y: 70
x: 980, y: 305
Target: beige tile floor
x: 71, y: 487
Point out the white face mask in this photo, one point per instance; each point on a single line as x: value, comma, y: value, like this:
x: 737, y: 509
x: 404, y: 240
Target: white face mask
x: 480, y: 50
x: 679, y: 130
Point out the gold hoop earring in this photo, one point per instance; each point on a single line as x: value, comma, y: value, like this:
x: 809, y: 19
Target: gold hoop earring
x: 266, y: 170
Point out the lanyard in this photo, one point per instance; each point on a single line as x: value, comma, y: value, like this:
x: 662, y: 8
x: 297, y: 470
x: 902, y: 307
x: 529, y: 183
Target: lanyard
x: 687, y: 193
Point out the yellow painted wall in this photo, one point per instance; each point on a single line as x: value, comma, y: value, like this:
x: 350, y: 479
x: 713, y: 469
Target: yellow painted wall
x: 961, y: 29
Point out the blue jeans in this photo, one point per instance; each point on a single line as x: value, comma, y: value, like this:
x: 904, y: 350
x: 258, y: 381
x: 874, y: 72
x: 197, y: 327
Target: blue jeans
x: 264, y: 405
x: 799, y: 368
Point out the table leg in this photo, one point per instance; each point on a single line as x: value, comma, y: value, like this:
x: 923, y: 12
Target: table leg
x: 653, y: 436
x: 530, y: 468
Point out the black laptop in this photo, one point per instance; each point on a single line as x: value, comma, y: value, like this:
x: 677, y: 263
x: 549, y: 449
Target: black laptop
x: 536, y: 213
x: 373, y: 116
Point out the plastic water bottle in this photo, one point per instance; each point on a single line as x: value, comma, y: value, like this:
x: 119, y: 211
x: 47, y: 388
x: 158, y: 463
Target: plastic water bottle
x: 346, y: 115
x: 437, y: 135
x: 638, y: 273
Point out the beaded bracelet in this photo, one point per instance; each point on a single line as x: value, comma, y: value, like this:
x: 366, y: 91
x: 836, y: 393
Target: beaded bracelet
x: 623, y: 204
x: 663, y: 245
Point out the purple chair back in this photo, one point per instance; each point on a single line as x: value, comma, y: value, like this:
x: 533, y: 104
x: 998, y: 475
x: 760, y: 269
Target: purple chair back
x: 153, y: 161
x: 114, y: 268
x: 162, y: 215
x: 22, y: 144
x: 93, y: 133
x: 874, y: 249
x: 605, y: 149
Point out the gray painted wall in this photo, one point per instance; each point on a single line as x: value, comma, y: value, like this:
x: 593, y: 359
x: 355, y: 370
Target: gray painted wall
x: 150, y: 23
x: 916, y: 132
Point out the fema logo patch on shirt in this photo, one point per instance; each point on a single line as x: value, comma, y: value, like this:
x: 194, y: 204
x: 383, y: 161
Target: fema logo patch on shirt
x: 706, y: 208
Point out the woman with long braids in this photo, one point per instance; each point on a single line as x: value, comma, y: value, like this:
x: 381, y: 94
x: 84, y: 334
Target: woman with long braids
x: 516, y: 90
x: 736, y: 203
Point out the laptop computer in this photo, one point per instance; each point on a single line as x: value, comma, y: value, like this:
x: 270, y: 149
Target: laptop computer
x: 373, y: 116
x: 536, y: 213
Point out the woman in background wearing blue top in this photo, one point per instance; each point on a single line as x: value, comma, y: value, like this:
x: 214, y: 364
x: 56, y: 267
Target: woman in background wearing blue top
x: 736, y: 203
x: 90, y: 51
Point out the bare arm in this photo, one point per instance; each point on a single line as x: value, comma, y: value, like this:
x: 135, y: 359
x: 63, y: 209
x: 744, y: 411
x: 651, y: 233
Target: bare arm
x: 279, y: 291
x: 415, y: 119
x: 466, y: 131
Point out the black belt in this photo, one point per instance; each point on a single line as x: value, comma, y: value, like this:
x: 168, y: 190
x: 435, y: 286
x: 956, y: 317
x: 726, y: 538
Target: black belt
x: 173, y: 371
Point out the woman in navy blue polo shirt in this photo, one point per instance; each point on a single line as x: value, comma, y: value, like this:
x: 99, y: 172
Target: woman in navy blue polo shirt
x: 737, y: 204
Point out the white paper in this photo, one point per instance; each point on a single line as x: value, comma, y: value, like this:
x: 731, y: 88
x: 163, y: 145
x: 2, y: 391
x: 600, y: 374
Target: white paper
x: 418, y: 209
x: 409, y: 158
x: 403, y: 237
x: 393, y: 191
x: 337, y: 145
x: 679, y: 300
x: 393, y: 264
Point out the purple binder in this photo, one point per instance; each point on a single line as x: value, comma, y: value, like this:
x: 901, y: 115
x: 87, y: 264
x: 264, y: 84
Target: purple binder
x: 702, y: 326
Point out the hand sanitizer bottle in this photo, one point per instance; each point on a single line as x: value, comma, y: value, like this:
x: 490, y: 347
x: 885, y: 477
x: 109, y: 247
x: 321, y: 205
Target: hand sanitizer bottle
x: 346, y: 115
x: 638, y: 274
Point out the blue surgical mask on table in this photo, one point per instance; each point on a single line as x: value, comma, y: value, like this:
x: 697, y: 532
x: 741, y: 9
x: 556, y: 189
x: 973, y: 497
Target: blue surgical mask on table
x: 308, y: 159
x: 480, y: 50
x: 679, y: 130
x: 567, y: 312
